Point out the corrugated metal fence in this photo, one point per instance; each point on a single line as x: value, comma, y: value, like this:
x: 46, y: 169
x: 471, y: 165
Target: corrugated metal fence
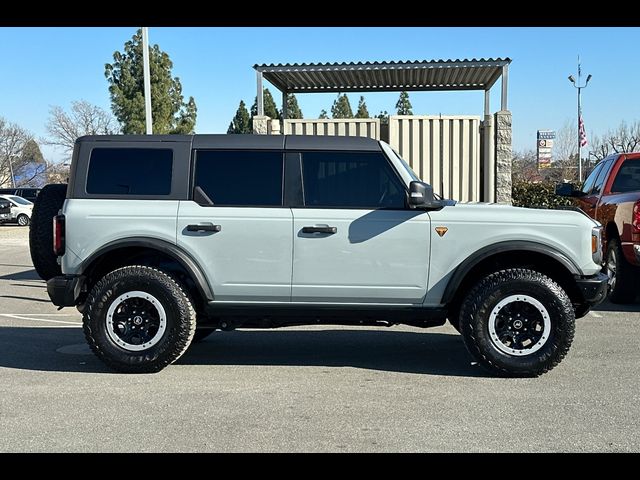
x: 350, y: 127
x: 443, y: 150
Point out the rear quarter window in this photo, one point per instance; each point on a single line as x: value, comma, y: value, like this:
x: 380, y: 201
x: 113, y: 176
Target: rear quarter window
x: 628, y: 177
x: 130, y: 171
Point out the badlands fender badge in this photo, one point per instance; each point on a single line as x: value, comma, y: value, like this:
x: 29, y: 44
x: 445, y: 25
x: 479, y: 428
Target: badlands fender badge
x: 441, y: 230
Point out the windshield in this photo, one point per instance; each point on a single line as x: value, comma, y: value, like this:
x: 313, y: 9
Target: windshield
x: 392, y: 153
x: 19, y: 200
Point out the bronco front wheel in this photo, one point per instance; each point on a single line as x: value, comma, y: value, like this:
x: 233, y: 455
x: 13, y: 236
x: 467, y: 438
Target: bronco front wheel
x: 517, y: 322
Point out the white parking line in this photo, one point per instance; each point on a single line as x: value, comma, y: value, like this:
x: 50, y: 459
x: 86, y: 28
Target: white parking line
x: 22, y: 317
x: 42, y: 314
x: 594, y: 314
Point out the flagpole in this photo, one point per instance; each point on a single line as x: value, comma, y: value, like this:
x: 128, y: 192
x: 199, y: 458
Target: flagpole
x: 579, y: 117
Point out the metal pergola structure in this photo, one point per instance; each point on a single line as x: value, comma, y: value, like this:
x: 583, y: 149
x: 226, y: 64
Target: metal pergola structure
x: 425, y: 75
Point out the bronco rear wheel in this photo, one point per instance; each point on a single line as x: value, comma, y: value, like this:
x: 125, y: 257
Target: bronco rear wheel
x: 517, y: 322
x: 138, y: 320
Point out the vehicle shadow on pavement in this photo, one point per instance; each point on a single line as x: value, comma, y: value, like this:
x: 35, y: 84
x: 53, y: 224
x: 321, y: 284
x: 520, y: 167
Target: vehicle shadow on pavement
x: 607, y: 306
x: 31, y: 299
x: 408, y: 352
x: 24, y: 275
x: 27, y: 348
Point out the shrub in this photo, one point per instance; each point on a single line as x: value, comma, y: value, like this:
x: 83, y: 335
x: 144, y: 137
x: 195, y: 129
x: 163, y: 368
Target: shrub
x: 537, y: 195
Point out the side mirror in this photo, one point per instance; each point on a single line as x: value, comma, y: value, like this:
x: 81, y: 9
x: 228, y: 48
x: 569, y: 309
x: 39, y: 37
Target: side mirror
x: 568, y: 190
x: 421, y: 196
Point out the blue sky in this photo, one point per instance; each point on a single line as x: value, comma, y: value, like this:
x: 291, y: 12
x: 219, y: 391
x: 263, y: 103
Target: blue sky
x: 54, y: 66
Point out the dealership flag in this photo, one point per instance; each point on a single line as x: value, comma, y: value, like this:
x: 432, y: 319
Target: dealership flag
x: 582, y: 132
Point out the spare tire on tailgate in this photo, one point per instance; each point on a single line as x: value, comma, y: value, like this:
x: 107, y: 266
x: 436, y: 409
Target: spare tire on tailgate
x: 47, y: 205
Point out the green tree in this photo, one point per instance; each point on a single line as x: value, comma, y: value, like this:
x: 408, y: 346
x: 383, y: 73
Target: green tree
x: 31, y: 153
x: 293, y: 109
x: 241, y: 122
x: 384, y: 117
x: 270, y: 108
x: 403, y: 105
x: 169, y: 111
x: 323, y: 114
x: 341, y: 107
x: 362, y: 111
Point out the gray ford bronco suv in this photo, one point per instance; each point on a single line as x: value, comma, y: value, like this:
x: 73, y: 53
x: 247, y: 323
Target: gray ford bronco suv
x: 161, y: 240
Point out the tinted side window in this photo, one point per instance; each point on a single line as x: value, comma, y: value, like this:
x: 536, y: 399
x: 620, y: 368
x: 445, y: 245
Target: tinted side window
x: 591, y: 179
x: 240, y: 178
x: 604, y: 171
x: 350, y: 180
x: 130, y: 171
x: 628, y: 177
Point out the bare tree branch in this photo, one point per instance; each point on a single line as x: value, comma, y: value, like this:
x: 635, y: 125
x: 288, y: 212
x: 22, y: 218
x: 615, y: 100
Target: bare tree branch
x: 84, y: 118
x: 565, y: 144
x: 13, y: 140
x: 626, y: 138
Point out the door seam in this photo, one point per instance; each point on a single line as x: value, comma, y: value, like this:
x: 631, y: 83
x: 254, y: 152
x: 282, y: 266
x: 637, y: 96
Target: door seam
x: 293, y: 249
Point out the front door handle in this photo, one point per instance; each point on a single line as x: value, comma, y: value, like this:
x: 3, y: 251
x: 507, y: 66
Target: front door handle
x: 320, y: 229
x: 204, y: 227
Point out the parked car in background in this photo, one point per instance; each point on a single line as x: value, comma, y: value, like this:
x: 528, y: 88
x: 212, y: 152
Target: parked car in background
x: 611, y: 195
x: 27, y: 193
x: 5, y: 210
x: 20, y: 211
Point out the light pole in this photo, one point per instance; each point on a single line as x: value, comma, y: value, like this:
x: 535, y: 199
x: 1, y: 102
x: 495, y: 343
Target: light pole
x: 579, y: 87
x: 146, y: 81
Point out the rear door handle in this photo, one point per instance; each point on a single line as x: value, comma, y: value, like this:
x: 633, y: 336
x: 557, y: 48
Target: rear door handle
x: 320, y: 229
x: 204, y: 227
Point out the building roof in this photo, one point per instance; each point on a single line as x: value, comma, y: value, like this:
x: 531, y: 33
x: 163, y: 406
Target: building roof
x: 474, y: 74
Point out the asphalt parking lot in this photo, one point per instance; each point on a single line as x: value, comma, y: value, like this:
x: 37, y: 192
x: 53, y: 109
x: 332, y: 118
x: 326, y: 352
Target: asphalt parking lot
x: 304, y: 389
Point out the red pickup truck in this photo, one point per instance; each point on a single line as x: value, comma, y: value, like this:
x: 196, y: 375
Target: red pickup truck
x: 611, y: 195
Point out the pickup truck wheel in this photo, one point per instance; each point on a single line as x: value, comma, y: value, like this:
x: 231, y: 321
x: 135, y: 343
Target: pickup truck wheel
x: 138, y: 320
x: 621, y: 282
x: 49, y: 201
x: 517, y: 322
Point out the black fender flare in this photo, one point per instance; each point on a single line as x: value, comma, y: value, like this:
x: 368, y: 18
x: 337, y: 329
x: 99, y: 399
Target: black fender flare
x: 170, y: 249
x: 475, y: 258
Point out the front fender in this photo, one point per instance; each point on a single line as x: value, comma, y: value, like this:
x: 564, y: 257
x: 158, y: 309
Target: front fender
x: 478, y: 256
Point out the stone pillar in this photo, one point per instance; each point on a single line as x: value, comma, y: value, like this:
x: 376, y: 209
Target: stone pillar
x: 274, y: 127
x: 261, y: 125
x: 504, y: 156
x: 488, y: 161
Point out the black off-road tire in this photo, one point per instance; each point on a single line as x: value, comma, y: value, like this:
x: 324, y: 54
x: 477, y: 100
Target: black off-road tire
x: 201, y: 334
x: 47, y: 205
x: 623, y: 289
x: 180, y: 319
x: 488, y: 292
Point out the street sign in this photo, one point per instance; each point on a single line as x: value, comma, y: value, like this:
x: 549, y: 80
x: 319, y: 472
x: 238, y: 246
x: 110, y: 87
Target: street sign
x: 545, y: 148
